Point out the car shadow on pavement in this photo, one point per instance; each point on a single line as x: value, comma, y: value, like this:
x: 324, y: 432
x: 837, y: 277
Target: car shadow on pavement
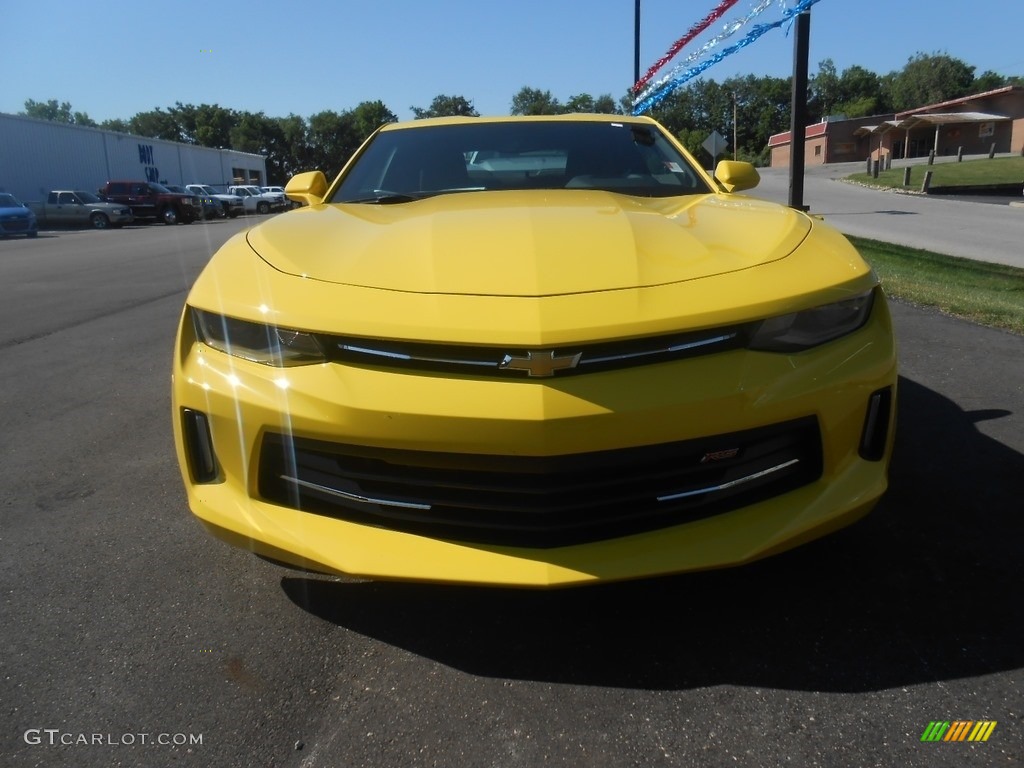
x: 925, y: 588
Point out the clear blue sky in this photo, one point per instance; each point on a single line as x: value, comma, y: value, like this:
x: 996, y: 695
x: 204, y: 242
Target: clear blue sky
x: 113, y: 60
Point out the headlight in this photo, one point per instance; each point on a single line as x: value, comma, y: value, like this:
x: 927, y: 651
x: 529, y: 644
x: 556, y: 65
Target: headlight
x: 267, y: 344
x: 811, y: 327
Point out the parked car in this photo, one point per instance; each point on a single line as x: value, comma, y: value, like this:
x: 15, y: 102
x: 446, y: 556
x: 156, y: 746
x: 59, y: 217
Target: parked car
x: 78, y: 208
x: 255, y: 199
x: 232, y: 205
x: 16, y: 218
x: 610, y: 367
x: 149, y: 200
x: 279, y: 193
x: 211, y: 208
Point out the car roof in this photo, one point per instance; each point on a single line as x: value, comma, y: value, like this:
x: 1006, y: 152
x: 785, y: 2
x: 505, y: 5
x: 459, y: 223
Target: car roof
x: 575, y: 117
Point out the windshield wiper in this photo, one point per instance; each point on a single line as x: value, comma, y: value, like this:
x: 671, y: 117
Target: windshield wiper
x: 385, y: 197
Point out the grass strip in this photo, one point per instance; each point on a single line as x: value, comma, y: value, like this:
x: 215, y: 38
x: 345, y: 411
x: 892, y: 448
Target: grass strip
x: 989, y: 294
x: 999, y: 170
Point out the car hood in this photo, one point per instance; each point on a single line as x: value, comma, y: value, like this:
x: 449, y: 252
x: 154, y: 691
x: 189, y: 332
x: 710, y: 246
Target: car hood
x: 541, y: 243
x: 12, y: 213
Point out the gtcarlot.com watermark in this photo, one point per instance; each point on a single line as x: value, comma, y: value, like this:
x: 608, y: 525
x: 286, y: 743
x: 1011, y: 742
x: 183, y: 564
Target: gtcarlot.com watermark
x: 54, y: 737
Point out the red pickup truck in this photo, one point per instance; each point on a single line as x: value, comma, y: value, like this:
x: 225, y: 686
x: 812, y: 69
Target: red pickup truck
x: 149, y: 200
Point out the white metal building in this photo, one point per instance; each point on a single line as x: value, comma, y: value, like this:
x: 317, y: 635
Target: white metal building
x: 37, y: 156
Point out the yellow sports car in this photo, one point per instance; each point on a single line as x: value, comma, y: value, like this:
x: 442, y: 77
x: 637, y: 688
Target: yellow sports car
x: 533, y: 351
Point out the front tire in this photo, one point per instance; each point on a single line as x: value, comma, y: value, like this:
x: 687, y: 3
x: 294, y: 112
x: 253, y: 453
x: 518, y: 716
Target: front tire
x: 99, y: 221
x: 263, y: 208
x: 169, y: 216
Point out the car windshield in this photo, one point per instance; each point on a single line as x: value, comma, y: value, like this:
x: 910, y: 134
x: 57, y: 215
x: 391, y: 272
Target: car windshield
x: 87, y: 197
x: 408, y: 164
x: 9, y: 201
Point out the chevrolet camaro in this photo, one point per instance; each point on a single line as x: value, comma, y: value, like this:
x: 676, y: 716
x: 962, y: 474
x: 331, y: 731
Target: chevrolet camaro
x: 538, y: 351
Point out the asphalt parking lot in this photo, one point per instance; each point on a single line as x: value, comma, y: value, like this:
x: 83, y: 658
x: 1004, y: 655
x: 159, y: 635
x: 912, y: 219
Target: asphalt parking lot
x: 131, y: 638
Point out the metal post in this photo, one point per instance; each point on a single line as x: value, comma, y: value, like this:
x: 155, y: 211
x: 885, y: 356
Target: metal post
x: 735, y: 149
x: 927, y: 181
x: 798, y: 122
x: 906, y: 176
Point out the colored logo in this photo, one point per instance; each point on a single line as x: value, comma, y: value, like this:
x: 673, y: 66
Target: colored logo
x: 958, y: 730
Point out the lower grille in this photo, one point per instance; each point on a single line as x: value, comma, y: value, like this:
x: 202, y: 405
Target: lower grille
x: 540, y: 502
x: 16, y: 224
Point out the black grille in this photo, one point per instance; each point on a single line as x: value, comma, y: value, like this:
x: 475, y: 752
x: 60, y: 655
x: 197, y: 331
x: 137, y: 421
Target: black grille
x: 539, y: 501
x: 16, y: 224
x: 514, y: 362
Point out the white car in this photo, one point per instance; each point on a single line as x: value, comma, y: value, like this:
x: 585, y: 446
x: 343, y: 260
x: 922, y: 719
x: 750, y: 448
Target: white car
x: 279, y: 192
x: 232, y: 204
x: 255, y: 199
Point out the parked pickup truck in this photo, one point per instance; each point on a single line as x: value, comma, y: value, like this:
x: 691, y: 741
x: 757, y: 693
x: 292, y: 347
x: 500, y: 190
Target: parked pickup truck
x: 149, y: 200
x: 256, y: 200
x: 65, y: 208
x: 232, y: 204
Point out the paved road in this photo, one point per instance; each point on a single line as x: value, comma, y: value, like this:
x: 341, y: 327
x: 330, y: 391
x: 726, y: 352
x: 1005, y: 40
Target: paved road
x: 121, y: 621
x: 975, y: 228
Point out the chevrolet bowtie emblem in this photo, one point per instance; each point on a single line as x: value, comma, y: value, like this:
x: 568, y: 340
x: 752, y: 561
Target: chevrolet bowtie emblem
x: 540, y: 363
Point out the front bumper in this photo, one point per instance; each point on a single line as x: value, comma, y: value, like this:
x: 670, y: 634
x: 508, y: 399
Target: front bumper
x: 19, y: 225
x: 246, y: 407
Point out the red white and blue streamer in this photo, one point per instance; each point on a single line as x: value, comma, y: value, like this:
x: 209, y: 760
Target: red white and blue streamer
x: 660, y: 91
x: 716, y: 13
x: 730, y: 29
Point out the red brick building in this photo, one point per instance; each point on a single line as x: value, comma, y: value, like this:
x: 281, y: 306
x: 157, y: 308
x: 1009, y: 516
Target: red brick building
x: 972, y: 123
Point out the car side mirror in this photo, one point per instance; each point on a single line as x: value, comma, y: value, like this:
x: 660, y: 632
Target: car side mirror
x: 308, y: 188
x: 735, y: 175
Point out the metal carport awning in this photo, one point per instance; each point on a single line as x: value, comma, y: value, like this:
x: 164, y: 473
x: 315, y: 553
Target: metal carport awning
x: 939, y: 119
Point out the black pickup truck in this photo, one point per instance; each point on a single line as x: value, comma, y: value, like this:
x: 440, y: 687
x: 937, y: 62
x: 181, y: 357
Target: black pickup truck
x: 149, y: 200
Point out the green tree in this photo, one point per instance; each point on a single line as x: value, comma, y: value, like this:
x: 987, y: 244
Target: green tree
x: 929, y: 79
x: 584, y: 102
x: 861, y: 93
x: 295, y: 146
x: 333, y: 137
x: 368, y: 116
x: 446, y: 106
x: 258, y: 134
x: 156, y: 124
x: 116, y: 124
x: 531, y: 101
x: 56, y: 113
x: 825, y: 91
x: 988, y: 81
x: 207, y: 125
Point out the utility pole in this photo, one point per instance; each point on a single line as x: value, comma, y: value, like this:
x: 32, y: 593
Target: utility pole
x: 636, y: 42
x: 798, y: 119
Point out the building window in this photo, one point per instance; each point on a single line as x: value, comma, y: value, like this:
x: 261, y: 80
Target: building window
x: 817, y: 150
